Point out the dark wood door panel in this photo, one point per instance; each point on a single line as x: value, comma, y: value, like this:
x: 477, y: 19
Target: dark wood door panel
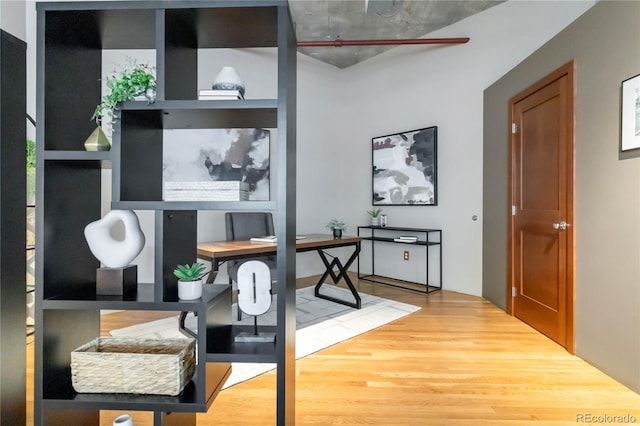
x: 540, y: 254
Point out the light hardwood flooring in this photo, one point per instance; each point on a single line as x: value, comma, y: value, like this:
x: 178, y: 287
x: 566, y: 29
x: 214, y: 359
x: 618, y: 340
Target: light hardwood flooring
x: 458, y: 361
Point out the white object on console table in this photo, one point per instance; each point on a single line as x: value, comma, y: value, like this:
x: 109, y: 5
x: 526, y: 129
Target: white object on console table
x: 123, y: 420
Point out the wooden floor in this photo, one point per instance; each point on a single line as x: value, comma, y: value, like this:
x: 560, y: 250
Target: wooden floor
x: 457, y: 361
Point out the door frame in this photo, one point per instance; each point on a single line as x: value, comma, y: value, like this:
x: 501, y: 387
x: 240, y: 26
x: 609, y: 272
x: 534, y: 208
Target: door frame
x: 568, y: 70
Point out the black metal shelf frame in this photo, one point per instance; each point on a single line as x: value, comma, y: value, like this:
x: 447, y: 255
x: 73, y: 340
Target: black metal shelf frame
x: 144, y: 299
x: 425, y: 237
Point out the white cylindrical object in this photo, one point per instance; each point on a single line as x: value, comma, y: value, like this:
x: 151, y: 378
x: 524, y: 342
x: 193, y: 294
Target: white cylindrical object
x: 123, y: 420
x: 254, y: 287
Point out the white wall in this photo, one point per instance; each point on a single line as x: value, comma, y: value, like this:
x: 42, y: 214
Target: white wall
x: 412, y: 87
x: 13, y: 18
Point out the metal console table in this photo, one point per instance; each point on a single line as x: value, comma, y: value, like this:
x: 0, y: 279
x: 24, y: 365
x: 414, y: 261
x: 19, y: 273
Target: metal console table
x: 425, y: 237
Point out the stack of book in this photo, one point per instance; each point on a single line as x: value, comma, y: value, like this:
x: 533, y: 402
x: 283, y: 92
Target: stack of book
x: 219, y: 95
x: 272, y: 239
x: 406, y: 239
x: 265, y: 239
x: 206, y: 191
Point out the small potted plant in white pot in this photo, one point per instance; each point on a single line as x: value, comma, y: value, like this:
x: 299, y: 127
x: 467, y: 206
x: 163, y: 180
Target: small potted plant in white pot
x: 375, y: 216
x: 189, y: 280
x: 337, y: 226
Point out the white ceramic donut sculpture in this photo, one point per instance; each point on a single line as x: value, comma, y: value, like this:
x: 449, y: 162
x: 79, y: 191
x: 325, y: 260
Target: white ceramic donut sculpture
x: 111, y: 252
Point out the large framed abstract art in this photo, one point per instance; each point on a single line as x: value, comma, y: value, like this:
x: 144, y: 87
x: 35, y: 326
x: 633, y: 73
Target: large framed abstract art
x: 216, y: 164
x: 405, y: 168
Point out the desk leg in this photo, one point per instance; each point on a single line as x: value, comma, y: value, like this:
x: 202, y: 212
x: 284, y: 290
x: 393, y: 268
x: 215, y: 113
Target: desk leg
x: 342, y: 273
x: 215, y: 265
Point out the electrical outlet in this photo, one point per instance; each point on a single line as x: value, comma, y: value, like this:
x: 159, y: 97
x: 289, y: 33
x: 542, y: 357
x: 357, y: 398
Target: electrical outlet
x: 405, y: 255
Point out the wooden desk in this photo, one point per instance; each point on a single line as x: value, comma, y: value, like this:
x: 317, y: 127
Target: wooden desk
x: 219, y: 252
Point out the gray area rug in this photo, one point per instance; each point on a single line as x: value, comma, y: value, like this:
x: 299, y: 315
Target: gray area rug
x: 320, y: 323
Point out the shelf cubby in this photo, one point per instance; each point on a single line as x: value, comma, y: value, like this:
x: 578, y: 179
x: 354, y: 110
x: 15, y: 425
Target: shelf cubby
x: 221, y: 346
x: 138, y: 138
x: 59, y: 394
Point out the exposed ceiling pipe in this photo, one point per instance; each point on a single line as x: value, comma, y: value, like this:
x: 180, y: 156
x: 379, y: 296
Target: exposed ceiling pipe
x: 384, y: 42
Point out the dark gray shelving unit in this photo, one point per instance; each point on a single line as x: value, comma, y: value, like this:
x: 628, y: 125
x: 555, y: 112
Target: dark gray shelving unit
x: 428, y: 238
x: 71, y: 39
x: 13, y: 271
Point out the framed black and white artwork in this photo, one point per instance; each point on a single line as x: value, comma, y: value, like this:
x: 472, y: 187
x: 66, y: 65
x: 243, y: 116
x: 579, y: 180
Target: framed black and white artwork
x: 215, y: 164
x: 405, y: 168
x: 630, y: 126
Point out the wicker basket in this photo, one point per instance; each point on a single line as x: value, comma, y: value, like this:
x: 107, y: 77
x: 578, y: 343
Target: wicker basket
x: 133, y: 365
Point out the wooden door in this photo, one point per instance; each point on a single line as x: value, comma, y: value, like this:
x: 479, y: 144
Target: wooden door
x: 542, y: 233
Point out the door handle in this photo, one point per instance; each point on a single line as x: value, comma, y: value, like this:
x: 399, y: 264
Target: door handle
x: 561, y: 226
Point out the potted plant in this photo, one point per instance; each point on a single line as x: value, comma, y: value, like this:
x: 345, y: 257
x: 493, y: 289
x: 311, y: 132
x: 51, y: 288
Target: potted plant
x: 132, y: 81
x: 337, y: 226
x: 375, y: 216
x: 189, y: 280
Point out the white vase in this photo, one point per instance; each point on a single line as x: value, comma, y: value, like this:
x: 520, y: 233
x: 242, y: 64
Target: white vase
x: 228, y: 79
x: 189, y: 290
x: 123, y: 420
x: 375, y: 221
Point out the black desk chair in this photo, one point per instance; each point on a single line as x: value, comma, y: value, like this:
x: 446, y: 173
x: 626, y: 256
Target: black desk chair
x: 243, y: 226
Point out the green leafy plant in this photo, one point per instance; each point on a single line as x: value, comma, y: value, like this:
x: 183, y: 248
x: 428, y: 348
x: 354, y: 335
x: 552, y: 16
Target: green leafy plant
x: 336, y: 224
x: 192, y: 272
x: 31, y: 154
x: 31, y: 171
x: 375, y: 212
x: 132, y: 80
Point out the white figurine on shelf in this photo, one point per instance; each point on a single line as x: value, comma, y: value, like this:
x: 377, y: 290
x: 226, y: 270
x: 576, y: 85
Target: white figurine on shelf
x: 114, y: 253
